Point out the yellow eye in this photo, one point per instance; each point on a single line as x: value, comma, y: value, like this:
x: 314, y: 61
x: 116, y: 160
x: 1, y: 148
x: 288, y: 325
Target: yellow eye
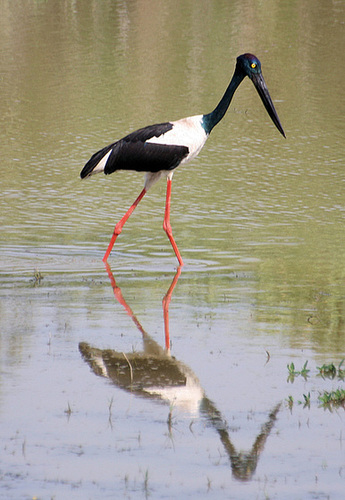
x: 253, y: 65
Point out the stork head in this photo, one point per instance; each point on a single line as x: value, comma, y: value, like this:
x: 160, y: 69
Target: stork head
x: 249, y: 65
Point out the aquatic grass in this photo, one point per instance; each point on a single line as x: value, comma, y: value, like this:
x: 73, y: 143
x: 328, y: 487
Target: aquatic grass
x: 328, y: 400
x: 295, y: 373
x: 68, y: 410
x: 292, y: 372
x: 110, y: 406
x: 341, y: 372
x: 306, y: 402
x: 38, y: 277
x: 333, y: 399
x: 146, y: 488
x: 290, y: 402
x: 327, y: 371
x: 330, y: 371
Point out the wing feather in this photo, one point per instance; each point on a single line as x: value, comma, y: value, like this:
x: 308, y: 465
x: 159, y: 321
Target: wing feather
x: 133, y: 152
x: 144, y: 157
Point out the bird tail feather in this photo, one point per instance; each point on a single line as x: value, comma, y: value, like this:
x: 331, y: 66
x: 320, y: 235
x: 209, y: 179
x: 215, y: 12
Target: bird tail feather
x: 97, y: 162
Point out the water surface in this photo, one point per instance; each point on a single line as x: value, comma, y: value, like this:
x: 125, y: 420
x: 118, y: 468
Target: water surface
x: 259, y: 221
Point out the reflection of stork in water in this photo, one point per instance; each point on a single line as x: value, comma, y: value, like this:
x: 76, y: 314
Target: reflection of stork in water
x: 154, y: 373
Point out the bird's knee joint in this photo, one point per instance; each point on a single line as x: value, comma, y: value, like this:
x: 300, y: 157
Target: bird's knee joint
x: 167, y: 227
x: 118, y: 229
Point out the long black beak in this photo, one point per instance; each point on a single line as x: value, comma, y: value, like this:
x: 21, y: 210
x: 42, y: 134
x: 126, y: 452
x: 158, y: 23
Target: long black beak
x: 261, y: 87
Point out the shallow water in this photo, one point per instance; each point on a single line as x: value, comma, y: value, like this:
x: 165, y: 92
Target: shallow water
x: 259, y: 221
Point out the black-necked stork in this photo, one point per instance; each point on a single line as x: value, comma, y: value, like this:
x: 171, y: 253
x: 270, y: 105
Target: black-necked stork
x: 158, y: 149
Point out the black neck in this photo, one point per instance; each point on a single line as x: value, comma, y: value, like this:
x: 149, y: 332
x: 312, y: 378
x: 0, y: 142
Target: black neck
x: 211, y: 119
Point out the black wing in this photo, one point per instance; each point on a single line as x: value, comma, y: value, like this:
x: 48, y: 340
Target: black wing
x: 94, y: 160
x: 144, y: 157
x: 146, y: 133
x: 132, y: 152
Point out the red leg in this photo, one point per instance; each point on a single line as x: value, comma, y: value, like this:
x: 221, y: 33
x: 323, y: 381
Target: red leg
x: 166, y: 301
x: 121, y: 223
x: 119, y: 297
x: 167, y: 225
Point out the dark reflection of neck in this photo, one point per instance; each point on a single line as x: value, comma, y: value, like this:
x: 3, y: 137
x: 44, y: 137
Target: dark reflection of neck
x: 154, y: 373
x: 243, y: 464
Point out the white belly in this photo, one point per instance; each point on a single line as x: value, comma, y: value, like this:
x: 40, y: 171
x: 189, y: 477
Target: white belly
x: 185, y: 132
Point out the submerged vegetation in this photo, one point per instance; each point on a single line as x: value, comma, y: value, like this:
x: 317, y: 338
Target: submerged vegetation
x: 38, y: 277
x: 330, y: 371
x: 333, y: 399
x: 294, y: 373
x: 327, y: 399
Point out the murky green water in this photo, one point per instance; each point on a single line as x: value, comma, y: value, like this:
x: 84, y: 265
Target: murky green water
x: 259, y: 221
